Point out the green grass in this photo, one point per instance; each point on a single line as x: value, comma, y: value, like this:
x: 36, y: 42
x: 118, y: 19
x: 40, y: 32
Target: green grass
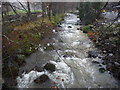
x: 56, y: 19
x: 22, y: 12
x: 86, y: 28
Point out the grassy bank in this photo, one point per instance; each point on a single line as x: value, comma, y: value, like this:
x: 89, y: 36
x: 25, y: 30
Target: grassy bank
x: 22, y: 12
x: 22, y: 41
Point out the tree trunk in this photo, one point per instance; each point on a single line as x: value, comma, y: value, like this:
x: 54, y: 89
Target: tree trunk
x: 29, y: 11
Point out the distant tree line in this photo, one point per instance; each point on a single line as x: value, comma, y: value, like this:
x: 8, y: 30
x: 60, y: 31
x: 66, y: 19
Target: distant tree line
x: 47, y: 8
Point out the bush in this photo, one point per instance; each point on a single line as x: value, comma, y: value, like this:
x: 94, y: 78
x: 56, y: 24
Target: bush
x: 86, y: 29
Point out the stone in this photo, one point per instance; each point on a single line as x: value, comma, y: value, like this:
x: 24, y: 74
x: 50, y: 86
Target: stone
x: 69, y: 26
x: 84, y: 31
x: 50, y: 67
x: 36, y: 68
x: 102, y: 70
x: 93, y: 54
x: 95, y: 62
x: 43, y: 78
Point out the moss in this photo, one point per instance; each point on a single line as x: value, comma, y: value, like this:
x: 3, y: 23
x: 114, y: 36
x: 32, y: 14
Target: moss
x: 56, y: 19
x: 86, y: 29
x: 27, y: 51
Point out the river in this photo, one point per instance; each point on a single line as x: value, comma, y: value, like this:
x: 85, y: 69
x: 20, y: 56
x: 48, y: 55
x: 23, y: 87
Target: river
x: 73, y: 67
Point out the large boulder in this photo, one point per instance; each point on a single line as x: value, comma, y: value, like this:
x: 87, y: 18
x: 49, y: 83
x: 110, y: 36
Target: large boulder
x: 43, y: 78
x: 50, y: 67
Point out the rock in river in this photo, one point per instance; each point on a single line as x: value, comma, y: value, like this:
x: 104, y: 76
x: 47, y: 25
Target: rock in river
x: 49, y: 67
x: 93, y: 54
x: 41, y: 79
x: 102, y: 70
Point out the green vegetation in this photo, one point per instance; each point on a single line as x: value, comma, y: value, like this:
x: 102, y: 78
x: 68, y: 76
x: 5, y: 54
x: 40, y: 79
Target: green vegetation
x: 89, y: 11
x: 57, y: 18
x: 87, y: 29
x: 22, y: 12
x: 26, y: 36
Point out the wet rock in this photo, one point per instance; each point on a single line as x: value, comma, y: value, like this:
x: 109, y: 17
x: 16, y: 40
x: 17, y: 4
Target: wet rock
x: 36, y: 68
x: 43, y: 78
x: 103, y: 63
x: 93, y: 54
x: 65, y: 56
x: 84, y: 31
x: 50, y: 67
x: 95, y: 62
x: 69, y: 26
x: 69, y: 54
x: 102, y: 70
x: 61, y: 41
x: 27, y: 52
x: 59, y: 25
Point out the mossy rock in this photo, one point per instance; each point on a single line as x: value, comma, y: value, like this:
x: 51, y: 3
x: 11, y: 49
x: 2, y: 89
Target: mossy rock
x: 102, y: 70
x: 86, y: 29
x: 92, y: 54
x: 50, y: 67
x: 36, y: 36
x: 27, y: 52
x: 28, y: 48
x: 43, y: 78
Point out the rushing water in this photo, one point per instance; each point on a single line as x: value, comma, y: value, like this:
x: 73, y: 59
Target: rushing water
x: 73, y: 67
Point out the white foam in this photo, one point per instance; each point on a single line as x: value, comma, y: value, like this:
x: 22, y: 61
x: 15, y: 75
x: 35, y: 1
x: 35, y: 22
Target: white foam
x: 63, y: 71
x: 27, y: 79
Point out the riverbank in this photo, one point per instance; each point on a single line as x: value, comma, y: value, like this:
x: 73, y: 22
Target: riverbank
x: 21, y: 41
x: 108, y: 41
x: 67, y: 64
